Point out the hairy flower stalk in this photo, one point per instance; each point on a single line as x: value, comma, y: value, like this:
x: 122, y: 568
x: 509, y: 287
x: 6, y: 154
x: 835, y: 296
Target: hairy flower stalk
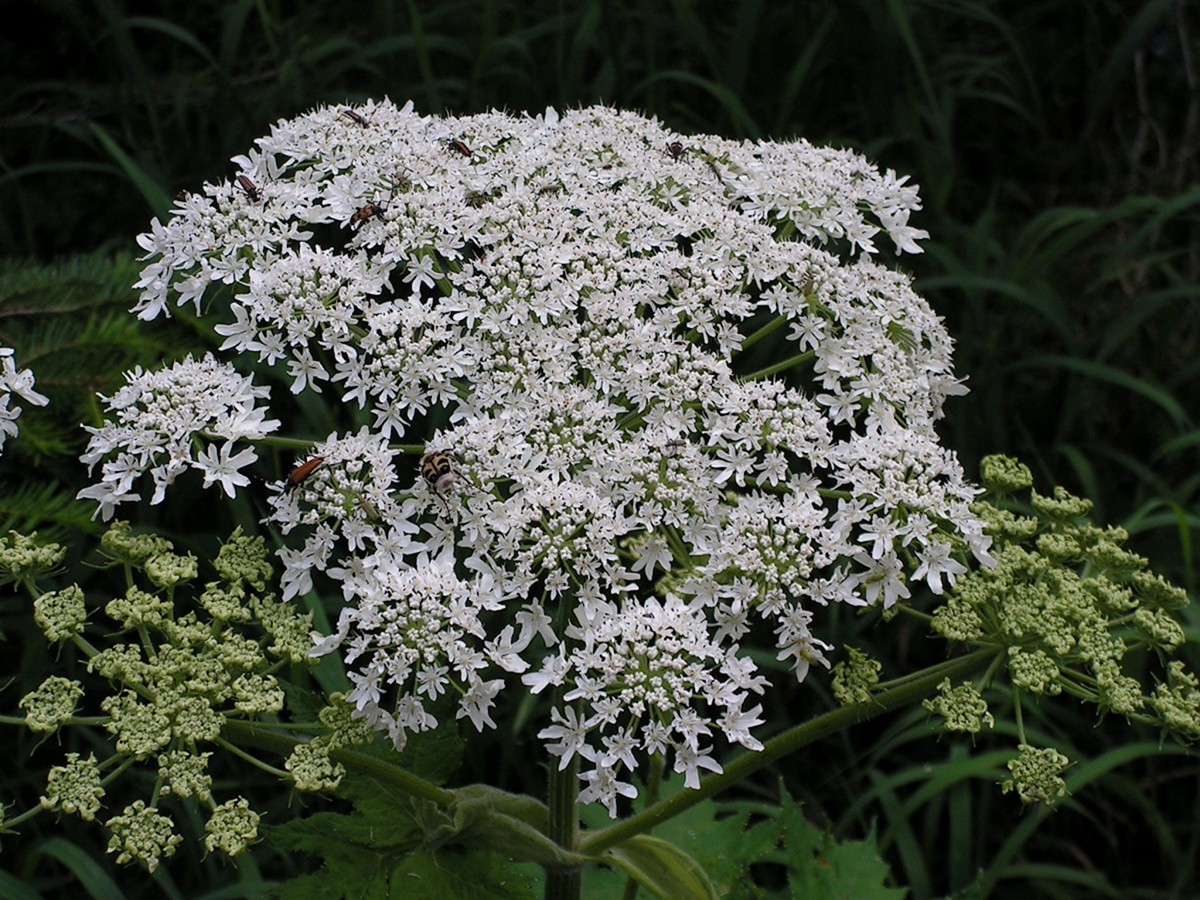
x: 619, y: 497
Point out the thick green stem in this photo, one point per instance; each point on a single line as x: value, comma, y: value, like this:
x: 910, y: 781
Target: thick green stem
x: 564, y: 884
x: 788, y: 742
x: 779, y: 366
x: 753, y: 339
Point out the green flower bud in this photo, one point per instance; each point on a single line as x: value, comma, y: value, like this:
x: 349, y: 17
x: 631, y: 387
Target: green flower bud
x: 958, y: 621
x: 1062, y: 507
x: 1036, y: 775
x: 1059, y: 547
x: 1116, y: 560
x: 142, y: 834
x: 963, y: 708
x: 225, y: 604
x: 312, y: 769
x: 185, y: 774
x: 138, y: 608
x: 1034, y: 671
x: 52, y: 704
x: 140, y: 728
x: 23, y: 559
x: 60, y: 614
x: 1154, y: 590
x: 74, y: 788
x: 290, y: 629
x: 1003, y: 474
x: 854, y: 678
x: 232, y: 827
x: 344, y: 729
x: 195, y: 720
x: 1178, y: 701
x: 171, y: 569
x: 1117, y: 692
x: 257, y: 695
x: 121, y: 544
x: 1160, y: 628
x: 244, y: 559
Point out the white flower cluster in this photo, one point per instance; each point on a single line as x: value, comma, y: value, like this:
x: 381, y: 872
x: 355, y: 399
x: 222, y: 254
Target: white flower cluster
x: 160, y: 418
x: 14, y: 382
x: 618, y: 498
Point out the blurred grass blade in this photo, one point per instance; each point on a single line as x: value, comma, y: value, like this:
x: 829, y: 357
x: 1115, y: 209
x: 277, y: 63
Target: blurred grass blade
x: 156, y: 197
x: 91, y: 876
x: 1114, y: 376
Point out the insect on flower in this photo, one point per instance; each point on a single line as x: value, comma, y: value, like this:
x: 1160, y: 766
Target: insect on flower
x: 437, y: 468
x: 476, y: 199
x: 366, y: 212
x: 458, y: 147
x: 674, y: 447
x: 675, y: 148
x: 355, y: 117
x: 249, y: 187
x: 300, y: 474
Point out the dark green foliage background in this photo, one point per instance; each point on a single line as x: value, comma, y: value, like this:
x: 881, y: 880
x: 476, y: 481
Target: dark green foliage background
x: 1055, y: 142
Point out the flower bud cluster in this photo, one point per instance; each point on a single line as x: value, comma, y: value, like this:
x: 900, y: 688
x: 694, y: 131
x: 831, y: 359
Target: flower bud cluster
x: 1070, y: 607
x: 24, y: 559
x: 172, y: 671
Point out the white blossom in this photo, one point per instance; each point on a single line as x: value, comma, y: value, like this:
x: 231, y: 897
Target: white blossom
x: 16, y: 382
x: 160, y: 417
x: 637, y: 485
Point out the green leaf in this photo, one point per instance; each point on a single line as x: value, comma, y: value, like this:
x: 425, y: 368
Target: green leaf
x: 383, y: 849
x: 717, y: 837
x: 662, y: 868
x: 820, y: 866
x: 15, y: 888
x: 348, y: 872
x: 429, y: 875
x: 720, y: 839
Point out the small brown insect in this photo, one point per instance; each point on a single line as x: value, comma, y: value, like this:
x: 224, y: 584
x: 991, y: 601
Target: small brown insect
x: 675, y: 148
x: 355, y: 117
x: 674, y: 447
x: 366, y: 212
x: 249, y: 187
x: 459, y: 147
x: 437, y: 468
x: 300, y: 474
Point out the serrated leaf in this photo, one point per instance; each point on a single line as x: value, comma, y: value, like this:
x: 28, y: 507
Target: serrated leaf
x: 717, y: 836
x: 821, y: 867
x: 321, y: 832
x: 471, y: 875
x: 433, y: 755
x: 662, y: 868
x: 381, y: 851
x: 361, y: 878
